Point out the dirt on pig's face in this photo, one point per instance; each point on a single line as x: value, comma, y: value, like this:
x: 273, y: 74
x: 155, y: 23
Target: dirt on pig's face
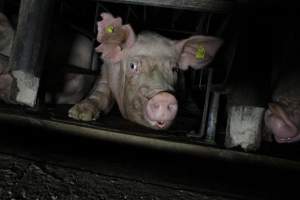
x: 149, y: 76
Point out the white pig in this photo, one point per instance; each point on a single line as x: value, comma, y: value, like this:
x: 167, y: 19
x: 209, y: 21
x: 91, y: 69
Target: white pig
x: 139, y: 72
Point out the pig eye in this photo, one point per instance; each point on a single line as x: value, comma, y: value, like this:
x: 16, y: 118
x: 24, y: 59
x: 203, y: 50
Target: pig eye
x: 133, y: 67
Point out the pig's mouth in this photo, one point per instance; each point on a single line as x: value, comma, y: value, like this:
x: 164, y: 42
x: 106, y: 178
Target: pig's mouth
x: 285, y: 130
x: 159, y: 124
x: 288, y: 139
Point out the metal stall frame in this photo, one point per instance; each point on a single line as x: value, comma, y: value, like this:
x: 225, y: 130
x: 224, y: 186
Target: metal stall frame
x: 34, y: 47
x: 201, y: 151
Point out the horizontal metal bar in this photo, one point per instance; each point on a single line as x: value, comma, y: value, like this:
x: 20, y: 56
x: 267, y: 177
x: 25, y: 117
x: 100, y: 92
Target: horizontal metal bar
x: 79, y: 70
x: 154, y: 143
x: 203, y: 5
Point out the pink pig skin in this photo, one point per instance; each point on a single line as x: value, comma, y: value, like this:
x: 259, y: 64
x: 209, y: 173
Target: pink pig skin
x: 282, y: 118
x: 138, y: 73
x: 6, y: 38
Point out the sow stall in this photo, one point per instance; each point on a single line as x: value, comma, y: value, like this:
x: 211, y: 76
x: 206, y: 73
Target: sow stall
x: 236, y: 75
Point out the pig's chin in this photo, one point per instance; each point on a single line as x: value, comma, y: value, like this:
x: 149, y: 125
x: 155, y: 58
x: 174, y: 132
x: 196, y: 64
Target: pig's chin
x: 286, y: 134
x: 283, y: 133
x: 281, y: 125
x: 287, y: 139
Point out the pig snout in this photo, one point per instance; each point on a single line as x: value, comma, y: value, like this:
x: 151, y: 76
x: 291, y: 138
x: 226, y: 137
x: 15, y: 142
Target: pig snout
x: 281, y: 124
x: 161, y: 110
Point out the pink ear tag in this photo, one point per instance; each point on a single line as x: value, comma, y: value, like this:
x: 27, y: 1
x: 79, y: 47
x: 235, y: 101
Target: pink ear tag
x: 200, y: 53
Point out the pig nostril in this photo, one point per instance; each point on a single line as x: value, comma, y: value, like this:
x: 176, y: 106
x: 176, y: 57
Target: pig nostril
x: 155, y: 106
x: 172, y: 107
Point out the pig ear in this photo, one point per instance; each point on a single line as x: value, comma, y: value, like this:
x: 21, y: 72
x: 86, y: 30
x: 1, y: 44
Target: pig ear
x: 197, y: 51
x: 114, y: 38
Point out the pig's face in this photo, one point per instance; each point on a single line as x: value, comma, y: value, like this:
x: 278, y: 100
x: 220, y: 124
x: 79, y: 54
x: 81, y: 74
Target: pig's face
x: 146, y: 67
x: 149, y: 71
x: 283, y: 120
x: 147, y: 92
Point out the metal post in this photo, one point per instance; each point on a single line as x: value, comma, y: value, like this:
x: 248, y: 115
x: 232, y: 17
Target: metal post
x: 206, y: 104
x: 29, y: 48
x: 212, y: 118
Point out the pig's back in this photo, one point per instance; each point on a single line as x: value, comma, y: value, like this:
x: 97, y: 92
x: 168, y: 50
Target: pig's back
x: 288, y: 85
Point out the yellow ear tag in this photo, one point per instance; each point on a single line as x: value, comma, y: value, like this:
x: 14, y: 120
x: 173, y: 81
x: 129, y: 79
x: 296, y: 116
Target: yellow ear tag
x: 200, y: 53
x: 110, y: 29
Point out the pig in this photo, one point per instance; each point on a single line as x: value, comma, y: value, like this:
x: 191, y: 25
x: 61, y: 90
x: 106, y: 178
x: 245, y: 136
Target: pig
x: 6, y: 35
x: 139, y: 73
x: 67, y: 48
x: 6, y: 38
x: 282, y: 118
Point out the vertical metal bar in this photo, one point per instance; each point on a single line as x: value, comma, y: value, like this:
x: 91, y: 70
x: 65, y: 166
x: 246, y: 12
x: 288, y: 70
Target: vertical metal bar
x: 206, y: 104
x: 209, y: 19
x: 222, y: 28
x: 1, y: 5
x: 93, y: 56
x: 200, y: 26
x: 144, y: 14
x: 212, y: 118
x: 200, y: 85
x: 29, y: 48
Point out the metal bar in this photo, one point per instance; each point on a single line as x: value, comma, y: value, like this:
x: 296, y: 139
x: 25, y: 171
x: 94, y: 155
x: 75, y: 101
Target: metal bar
x: 154, y: 143
x: 2, y: 5
x: 171, y: 30
x: 206, y: 104
x: 203, y: 5
x: 212, y: 118
x: 29, y: 48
